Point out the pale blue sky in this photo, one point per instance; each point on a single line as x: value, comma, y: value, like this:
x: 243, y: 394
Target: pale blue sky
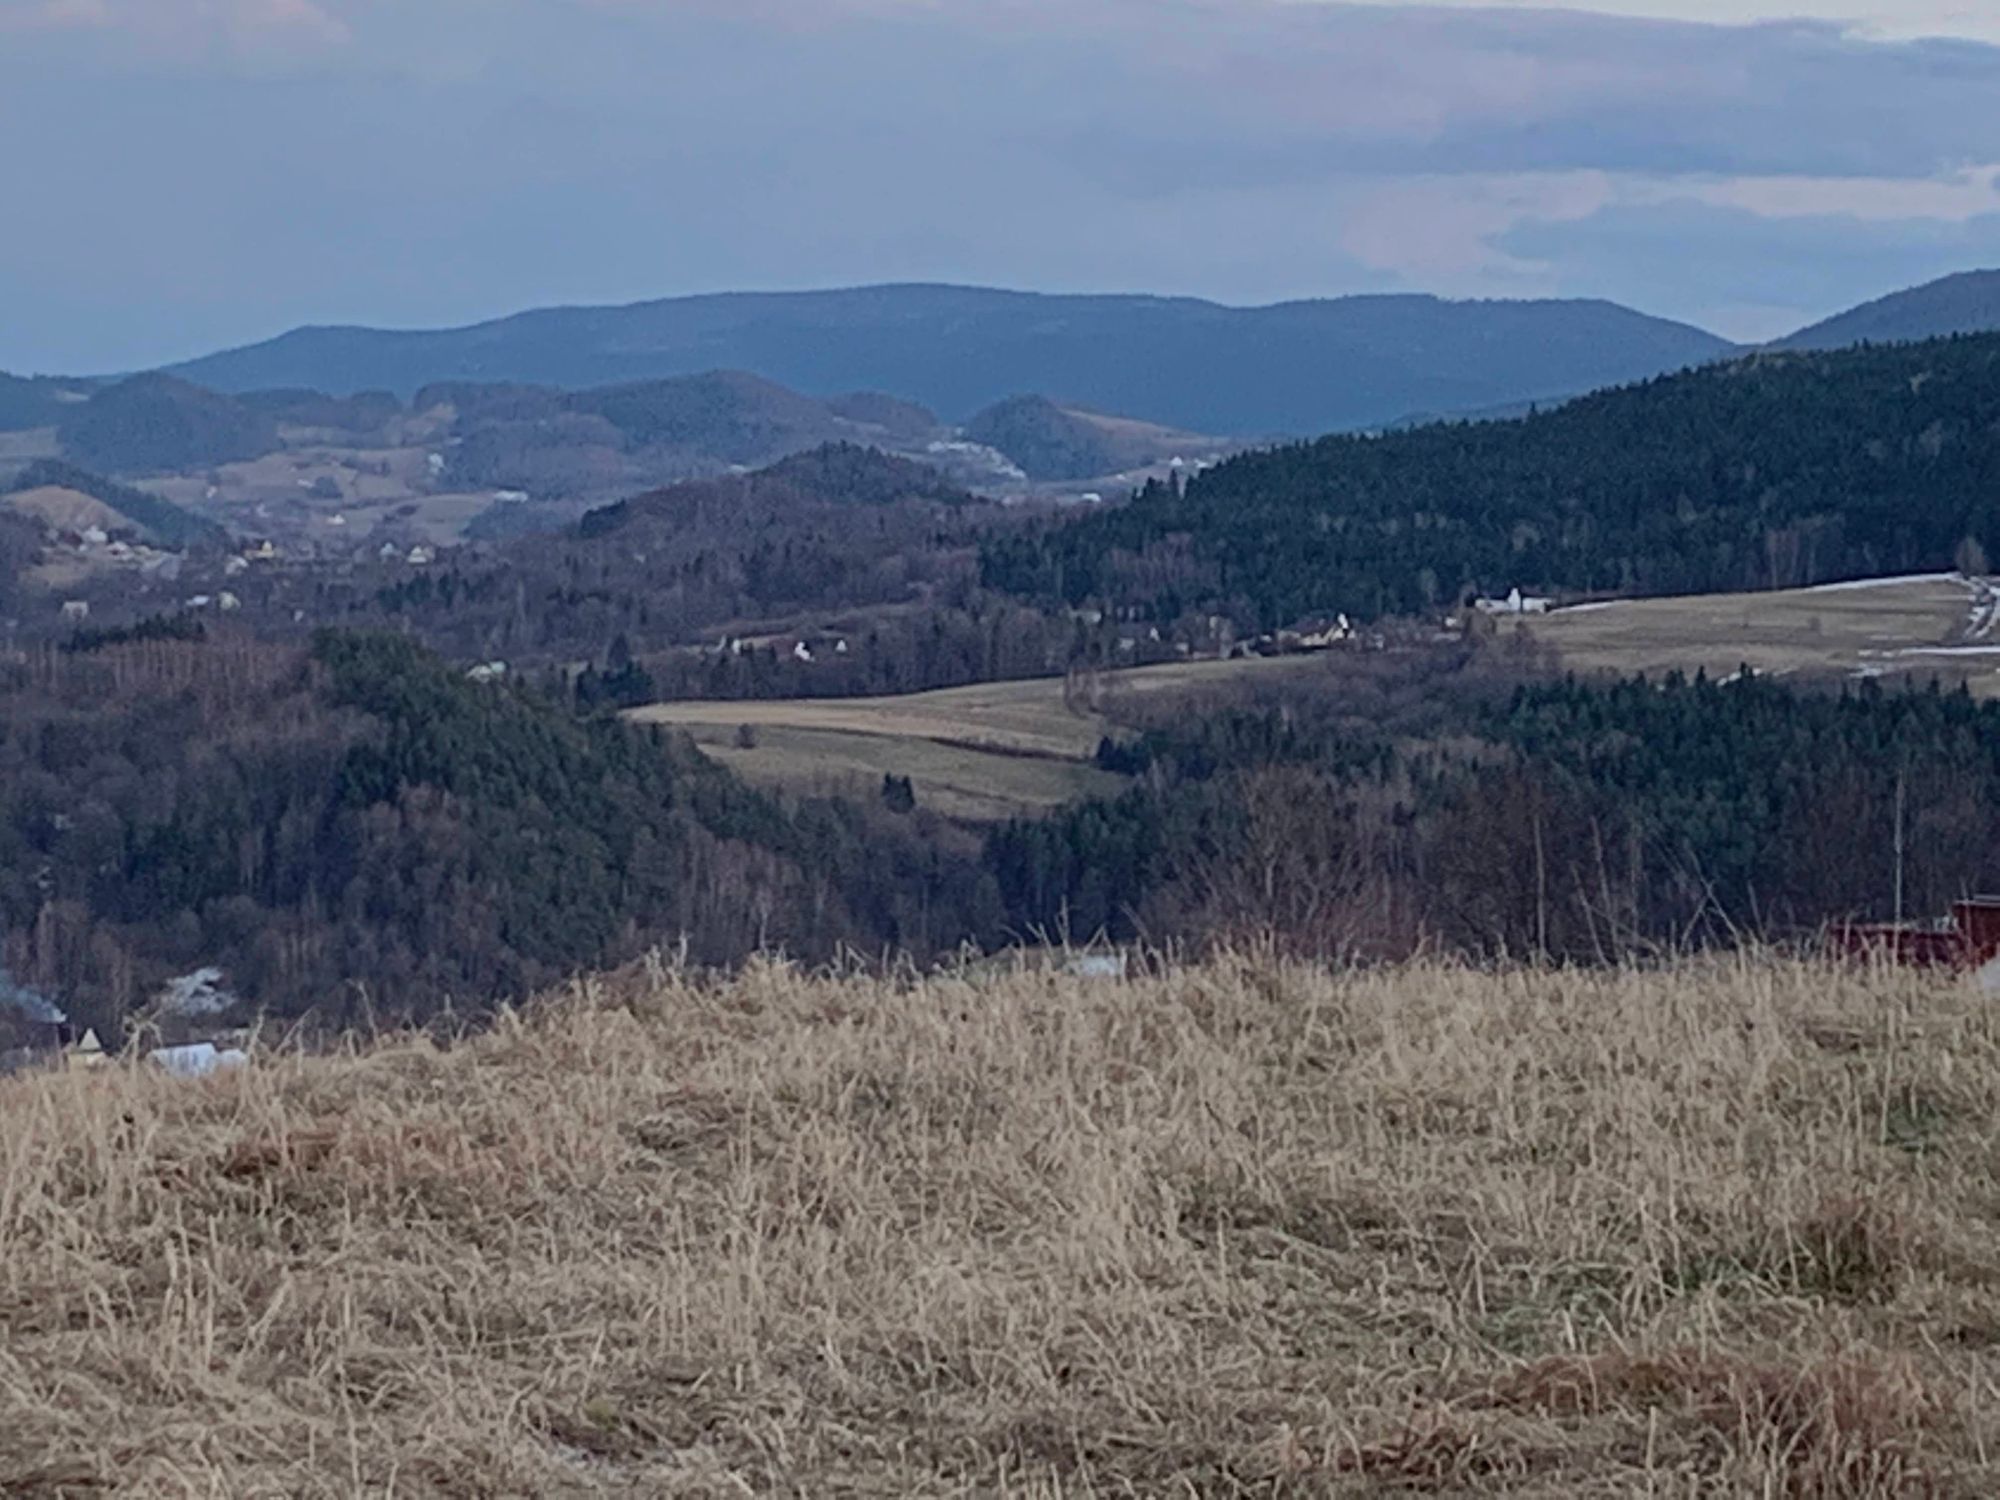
x: 184, y: 174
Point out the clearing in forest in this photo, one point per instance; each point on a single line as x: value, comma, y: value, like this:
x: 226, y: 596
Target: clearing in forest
x: 991, y: 751
x: 1929, y: 625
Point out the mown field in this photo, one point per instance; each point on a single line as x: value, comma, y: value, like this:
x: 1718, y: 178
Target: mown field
x: 1929, y: 626
x: 1724, y: 1227
x: 992, y: 751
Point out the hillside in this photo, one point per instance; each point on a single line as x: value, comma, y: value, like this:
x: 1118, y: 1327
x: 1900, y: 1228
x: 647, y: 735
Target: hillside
x: 1712, y: 1228
x: 1966, y: 303
x: 360, y: 829
x: 153, y: 424
x: 1050, y: 442
x: 35, y: 402
x: 1293, y: 367
x: 1769, y: 472
x: 68, y: 497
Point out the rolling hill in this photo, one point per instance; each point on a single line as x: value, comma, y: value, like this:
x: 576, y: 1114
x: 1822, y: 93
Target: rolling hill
x: 37, y: 401
x: 1774, y: 471
x: 1051, y: 442
x: 64, y: 497
x: 1966, y: 303
x: 1298, y: 367
x: 157, y: 423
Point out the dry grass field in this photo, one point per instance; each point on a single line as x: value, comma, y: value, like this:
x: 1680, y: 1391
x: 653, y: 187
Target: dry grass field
x: 992, y: 751
x: 1930, y: 626
x: 63, y: 509
x: 267, y: 496
x: 1242, y: 1229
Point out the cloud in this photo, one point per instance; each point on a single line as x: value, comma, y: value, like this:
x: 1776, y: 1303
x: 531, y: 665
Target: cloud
x: 184, y: 30
x: 1745, y: 274
x: 425, y: 161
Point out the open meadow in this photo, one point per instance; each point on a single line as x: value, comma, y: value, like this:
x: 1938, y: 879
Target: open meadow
x: 1245, y: 1228
x: 1938, y: 625
x: 991, y: 751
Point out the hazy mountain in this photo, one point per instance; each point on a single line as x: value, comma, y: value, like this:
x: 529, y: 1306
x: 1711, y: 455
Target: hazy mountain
x: 363, y: 413
x: 896, y: 417
x: 737, y: 417
x: 1052, y: 442
x: 1966, y: 303
x: 156, y: 423
x: 553, y: 442
x: 37, y: 401
x: 1294, y: 367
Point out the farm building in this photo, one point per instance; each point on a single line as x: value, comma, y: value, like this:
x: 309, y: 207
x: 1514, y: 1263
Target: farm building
x: 1967, y: 939
x: 1516, y: 603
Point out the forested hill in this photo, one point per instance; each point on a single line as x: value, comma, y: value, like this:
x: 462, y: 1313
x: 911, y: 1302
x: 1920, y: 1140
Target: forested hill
x: 1773, y: 471
x: 361, y: 832
x: 1295, y: 367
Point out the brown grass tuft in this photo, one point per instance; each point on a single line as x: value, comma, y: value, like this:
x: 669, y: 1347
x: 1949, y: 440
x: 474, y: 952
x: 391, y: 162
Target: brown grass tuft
x: 1844, y: 1427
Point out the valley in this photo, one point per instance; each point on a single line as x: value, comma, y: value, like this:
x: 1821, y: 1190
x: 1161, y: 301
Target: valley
x: 448, y: 694
x: 918, y: 748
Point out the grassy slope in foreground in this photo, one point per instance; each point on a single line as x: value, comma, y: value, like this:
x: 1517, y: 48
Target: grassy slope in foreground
x: 1239, y: 1229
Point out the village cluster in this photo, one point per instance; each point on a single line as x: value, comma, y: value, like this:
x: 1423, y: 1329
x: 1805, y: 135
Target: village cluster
x: 180, y: 1031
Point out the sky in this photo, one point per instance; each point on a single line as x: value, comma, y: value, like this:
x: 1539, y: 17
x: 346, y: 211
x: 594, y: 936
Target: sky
x: 183, y: 175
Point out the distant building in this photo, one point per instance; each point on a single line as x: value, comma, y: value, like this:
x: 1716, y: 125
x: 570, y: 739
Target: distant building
x: 76, y: 609
x: 1516, y: 603
x: 85, y: 1053
x: 197, y: 1060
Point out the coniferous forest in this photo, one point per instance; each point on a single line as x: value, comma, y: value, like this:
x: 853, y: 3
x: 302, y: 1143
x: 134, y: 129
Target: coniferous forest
x: 376, y: 793
x: 360, y: 834
x: 1769, y: 472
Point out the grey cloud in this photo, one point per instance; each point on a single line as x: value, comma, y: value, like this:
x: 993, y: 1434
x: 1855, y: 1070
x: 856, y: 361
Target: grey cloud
x: 439, y: 160
x: 1708, y: 263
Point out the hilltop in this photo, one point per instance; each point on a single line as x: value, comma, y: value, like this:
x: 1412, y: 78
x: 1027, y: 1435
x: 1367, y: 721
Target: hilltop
x: 155, y: 423
x: 1966, y: 303
x: 1298, y: 367
x: 1245, y: 1229
x: 39, y: 401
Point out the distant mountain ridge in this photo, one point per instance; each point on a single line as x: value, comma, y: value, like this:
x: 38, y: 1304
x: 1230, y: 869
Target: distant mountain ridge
x: 1295, y: 367
x: 1966, y: 303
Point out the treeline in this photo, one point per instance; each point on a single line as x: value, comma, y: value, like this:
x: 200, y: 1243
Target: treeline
x: 868, y: 558
x: 360, y: 834
x: 1583, y: 821
x: 357, y: 833
x: 1770, y: 472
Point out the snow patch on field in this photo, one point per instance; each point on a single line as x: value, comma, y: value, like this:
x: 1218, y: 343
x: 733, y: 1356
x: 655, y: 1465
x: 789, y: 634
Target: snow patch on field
x: 1886, y: 583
